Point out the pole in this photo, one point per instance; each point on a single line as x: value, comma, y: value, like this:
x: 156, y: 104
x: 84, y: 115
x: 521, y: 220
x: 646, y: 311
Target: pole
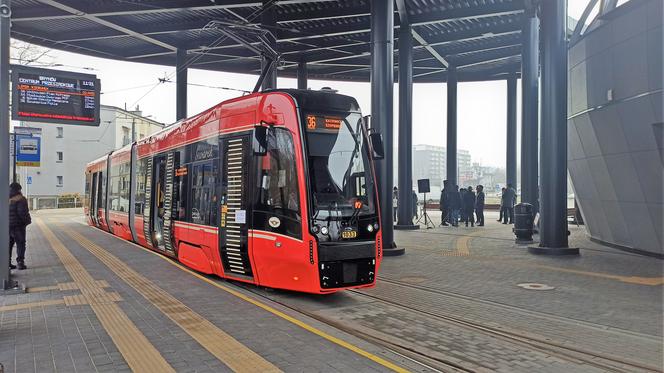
x: 181, y: 84
x: 405, y: 213
x: 382, y: 82
x: 530, y: 112
x: 302, y: 75
x: 133, y: 130
x: 553, y: 145
x: 510, y: 159
x: 5, y: 275
x: 269, y: 22
x: 451, y: 126
x: 13, y: 134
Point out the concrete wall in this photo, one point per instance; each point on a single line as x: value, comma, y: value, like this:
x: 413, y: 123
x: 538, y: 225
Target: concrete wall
x: 615, y: 154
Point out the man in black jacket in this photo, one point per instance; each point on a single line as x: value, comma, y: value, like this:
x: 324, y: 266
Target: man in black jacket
x: 469, y: 206
x: 444, y: 204
x: 479, y: 206
x: 19, y: 218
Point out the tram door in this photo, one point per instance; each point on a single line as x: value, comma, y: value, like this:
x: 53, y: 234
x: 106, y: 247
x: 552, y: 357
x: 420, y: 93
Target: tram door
x: 93, y: 199
x: 234, y: 220
x: 160, y: 204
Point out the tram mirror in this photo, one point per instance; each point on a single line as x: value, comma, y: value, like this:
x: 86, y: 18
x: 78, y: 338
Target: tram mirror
x: 376, y: 139
x: 260, y: 140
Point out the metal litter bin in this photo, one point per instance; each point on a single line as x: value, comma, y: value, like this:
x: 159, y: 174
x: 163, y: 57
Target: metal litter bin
x: 523, y: 222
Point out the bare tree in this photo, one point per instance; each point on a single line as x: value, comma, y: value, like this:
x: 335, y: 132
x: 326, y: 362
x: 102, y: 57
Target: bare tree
x: 23, y: 53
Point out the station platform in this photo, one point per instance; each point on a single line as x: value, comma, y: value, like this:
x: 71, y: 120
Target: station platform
x: 460, y: 299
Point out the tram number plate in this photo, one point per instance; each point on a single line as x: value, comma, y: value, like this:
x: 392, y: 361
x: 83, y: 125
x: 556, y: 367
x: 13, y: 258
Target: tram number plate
x: 349, y: 233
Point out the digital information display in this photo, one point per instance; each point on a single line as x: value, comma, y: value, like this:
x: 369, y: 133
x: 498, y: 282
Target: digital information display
x: 52, y: 96
x: 316, y: 123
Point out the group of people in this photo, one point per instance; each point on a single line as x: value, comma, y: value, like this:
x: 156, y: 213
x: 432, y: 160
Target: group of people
x: 461, y: 205
x: 395, y: 203
x: 507, y: 202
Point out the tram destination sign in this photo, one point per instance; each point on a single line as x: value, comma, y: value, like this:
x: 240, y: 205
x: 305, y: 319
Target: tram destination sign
x: 52, y: 96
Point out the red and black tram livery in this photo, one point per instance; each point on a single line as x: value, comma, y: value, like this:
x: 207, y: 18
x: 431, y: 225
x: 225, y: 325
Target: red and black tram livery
x: 274, y: 188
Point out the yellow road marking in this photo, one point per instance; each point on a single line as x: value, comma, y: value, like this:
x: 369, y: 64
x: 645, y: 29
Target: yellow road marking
x: 140, y: 354
x: 227, y: 349
x: 301, y: 324
x: 650, y: 281
x: 21, y: 306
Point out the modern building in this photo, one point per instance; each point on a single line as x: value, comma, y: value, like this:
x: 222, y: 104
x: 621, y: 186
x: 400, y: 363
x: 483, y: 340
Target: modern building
x: 430, y: 162
x: 66, y: 149
x: 615, y: 125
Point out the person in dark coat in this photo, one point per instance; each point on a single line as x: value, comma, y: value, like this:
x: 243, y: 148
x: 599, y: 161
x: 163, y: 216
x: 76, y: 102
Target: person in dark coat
x: 415, y: 199
x: 444, y: 202
x: 454, y: 203
x: 19, y: 219
x: 509, y: 201
x: 469, y: 206
x: 395, y: 203
x: 479, y: 206
x: 502, y: 205
x: 462, y: 211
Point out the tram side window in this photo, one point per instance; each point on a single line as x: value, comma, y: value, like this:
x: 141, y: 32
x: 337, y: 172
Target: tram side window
x: 101, y: 197
x: 203, y: 192
x: 88, y: 182
x: 118, y: 194
x: 141, y: 171
x: 181, y: 186
x: 278, y: 188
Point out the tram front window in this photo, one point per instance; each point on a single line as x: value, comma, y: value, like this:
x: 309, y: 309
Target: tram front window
x: 339, y: 168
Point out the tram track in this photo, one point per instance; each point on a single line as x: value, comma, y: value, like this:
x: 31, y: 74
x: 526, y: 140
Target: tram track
x: 443, y: 363
x: 548, y: 346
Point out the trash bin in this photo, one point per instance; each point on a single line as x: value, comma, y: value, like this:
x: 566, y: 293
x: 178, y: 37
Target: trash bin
x: 523, y: 222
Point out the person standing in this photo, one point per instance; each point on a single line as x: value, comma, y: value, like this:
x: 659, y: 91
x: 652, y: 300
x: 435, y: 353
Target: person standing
x: 502, y: 205
x: 469, y: 206
x: 444, y: 204
x: 479, y: 206
x: 19, y: 219
x: 510, y: 201
x: 454, y: 199
x: 395, y: 202
x: 415, y: 199
x: 462, y: 211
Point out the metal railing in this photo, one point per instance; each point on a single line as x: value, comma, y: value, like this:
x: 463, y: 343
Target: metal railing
x: 43, y: 203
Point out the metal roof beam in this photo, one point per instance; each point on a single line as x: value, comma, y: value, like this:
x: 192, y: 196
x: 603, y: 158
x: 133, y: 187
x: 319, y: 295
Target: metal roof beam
x: 167, y: 6
x: 430, y: 49
x: 425, y: 17
x: 78, y: 13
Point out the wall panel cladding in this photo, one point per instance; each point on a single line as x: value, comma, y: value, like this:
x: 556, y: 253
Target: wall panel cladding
x: 615, y: 151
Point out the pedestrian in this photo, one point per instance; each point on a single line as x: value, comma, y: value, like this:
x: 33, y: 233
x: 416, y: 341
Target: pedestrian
x: 415, y: 199
x: 462, y: 211
x: 19, y: 219
x: 510, y: 201
x: 444, y: 204
x: 469, y: 206
x: 454, y: 198
x: 395, y: 202
x: 502, y: 205
x: 479, y: 206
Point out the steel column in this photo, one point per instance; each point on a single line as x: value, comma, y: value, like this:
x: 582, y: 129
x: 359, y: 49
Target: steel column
x: 530, y: 113
x: 553, y: 145
x: 382, y: 82
x: 269, y: 22
x: 181, y: 84
x: 5, y: 276
x: 452, y: 126
x: 510, y: 160
x: 405, y: 213
x: 302, y: 75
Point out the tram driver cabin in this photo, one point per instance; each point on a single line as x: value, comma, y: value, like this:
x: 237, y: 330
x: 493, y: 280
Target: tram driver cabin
x: 274, y: 188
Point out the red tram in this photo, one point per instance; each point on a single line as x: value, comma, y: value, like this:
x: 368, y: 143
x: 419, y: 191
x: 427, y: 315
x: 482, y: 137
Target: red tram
x: 274, y: 188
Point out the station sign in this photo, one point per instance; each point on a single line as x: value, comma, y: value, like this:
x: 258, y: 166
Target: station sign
x: 53, y: 96
x: 28, y: 151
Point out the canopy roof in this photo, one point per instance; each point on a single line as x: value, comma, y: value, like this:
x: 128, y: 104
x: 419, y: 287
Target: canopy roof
x: 481, y: 37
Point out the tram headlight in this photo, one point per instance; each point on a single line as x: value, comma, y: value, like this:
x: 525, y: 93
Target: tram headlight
x: 375, y: 226
x: 324, y: 231
x: 370, y: 228
x: 315, y: 229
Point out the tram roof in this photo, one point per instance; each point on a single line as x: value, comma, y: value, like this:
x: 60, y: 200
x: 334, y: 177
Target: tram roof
x: 481, y: 37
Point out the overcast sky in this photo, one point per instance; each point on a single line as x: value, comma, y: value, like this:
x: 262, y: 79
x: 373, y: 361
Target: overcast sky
x: 481, y: 106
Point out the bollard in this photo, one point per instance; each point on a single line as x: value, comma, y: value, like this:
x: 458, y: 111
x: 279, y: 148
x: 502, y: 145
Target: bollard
x: 523, y: 223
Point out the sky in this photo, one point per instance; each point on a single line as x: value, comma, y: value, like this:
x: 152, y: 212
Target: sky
x: 481, y: 105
